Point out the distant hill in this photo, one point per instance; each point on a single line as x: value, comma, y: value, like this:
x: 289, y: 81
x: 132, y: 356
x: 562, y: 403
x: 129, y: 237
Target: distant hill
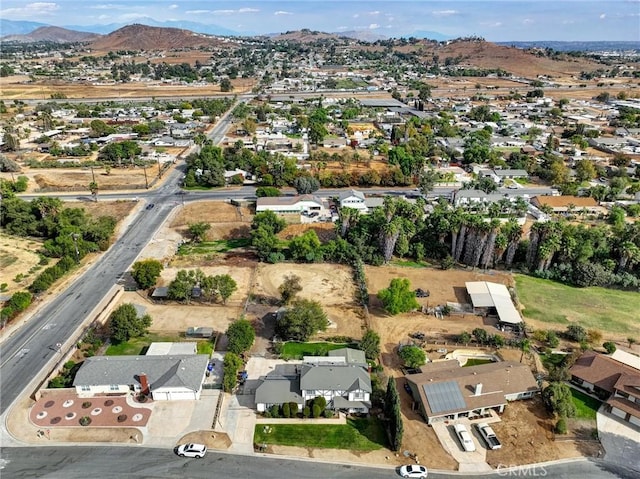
x: 180, y: 24
x: 52, y: 34
x: 143, y: 37
x: 440, y: 37
x: 362, y: 35
x: 576, y: 46
x: 17, y: 27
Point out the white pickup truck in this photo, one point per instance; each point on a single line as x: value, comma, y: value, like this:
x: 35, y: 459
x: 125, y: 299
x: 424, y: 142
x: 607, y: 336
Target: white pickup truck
x: 488, y: 435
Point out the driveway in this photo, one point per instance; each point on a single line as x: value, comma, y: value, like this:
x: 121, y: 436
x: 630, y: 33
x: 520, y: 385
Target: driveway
x: 620, y: 441
x: 467, y: 461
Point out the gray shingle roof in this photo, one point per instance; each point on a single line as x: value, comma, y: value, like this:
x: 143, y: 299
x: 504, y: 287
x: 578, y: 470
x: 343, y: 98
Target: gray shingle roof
x: 354, y: 357
x: 186, y: 371
x: 334, y: 378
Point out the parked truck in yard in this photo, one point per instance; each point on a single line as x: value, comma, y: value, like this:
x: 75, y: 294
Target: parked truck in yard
x: 488, y: 435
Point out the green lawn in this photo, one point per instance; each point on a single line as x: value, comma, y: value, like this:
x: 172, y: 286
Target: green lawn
x: 357, y: 435
x: 586, y: 406
x: 136, y: 346
x: 292, y: 350
x: 218, y: 246
x: 607, y: 310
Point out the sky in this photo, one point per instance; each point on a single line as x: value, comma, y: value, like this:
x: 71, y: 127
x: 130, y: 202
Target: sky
x: 494, y: 20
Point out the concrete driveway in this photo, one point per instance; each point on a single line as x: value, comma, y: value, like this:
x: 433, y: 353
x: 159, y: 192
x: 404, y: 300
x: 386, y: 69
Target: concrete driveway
x: 621, y: 441
x: 467, y: 461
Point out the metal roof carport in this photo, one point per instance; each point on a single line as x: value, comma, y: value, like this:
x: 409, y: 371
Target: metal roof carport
x: 485, y: 295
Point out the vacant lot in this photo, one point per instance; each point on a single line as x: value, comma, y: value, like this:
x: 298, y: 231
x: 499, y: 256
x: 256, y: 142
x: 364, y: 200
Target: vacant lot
x: 170, y: 318
x: 329, y: 284
x: 548, y: 304
x: 18, y: 256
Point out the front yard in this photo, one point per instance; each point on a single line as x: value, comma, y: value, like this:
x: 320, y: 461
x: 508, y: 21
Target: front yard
x: 137, y: 346
x: 356, y: 435
x: 586, y: 406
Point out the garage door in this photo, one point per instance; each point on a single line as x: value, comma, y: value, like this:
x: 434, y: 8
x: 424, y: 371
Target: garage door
x: 171, y: 395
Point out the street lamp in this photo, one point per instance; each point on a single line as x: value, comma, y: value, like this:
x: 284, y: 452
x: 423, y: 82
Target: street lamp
x: 75, y: 243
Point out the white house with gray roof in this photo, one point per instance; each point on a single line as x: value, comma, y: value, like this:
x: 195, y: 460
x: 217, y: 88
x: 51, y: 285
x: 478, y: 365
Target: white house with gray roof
x: 353, y: 199
x: 163, y: 377
x: 342, y: 379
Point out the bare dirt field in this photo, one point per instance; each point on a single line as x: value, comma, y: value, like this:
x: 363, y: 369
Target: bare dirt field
x: 174, y: 318
x: 329, y: 284
x: 227, y: 221
x: 16, y: 88
x: 18, y: 256
x: 118, y: 209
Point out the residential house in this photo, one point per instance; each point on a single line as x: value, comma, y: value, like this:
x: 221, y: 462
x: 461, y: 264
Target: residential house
x: 282, y: 205
x: 566, y: 204
x: 510, y: 174
x: 353, y: 199
x: 616, y: 379
x: 341, y: 378
x: 163, y: 377
x: 446, y: 391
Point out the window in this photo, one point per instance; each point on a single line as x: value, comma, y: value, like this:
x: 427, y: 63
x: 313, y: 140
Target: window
x: 114, y: 387
x: 85, y: 388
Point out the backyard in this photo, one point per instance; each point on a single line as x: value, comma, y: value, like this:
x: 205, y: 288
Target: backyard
x: 356, y: 435
x: 546, y: 302
x: 136, y: 346
x: 292, y: 350
x: 586, y: 406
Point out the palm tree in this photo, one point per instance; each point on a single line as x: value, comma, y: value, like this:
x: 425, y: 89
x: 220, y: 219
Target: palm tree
x: 513, y: 233
x: 93, y: 188
x: 348, y: 217
x: 490, y: 245
x: 629, y: 255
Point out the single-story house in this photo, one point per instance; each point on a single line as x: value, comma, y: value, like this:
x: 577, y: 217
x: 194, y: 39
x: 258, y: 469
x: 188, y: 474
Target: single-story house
x: 342, y: 379
x: 510, y: 174
x: 163, y: 377
x: 353, y: 199
x: 617, y: 381
x: 489, y: 297
x: 446, y: 391
x: 291, y: 204
x: 568, y: 203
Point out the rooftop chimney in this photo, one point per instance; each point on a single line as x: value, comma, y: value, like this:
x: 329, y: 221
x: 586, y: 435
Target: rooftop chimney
x: 478, y: 391
x: 144, y: 383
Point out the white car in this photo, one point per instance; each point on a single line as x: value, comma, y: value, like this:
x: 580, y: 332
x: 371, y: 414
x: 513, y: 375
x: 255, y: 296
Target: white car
x: 413, y: 471
x: 191, y: 450
x: 465, y: 438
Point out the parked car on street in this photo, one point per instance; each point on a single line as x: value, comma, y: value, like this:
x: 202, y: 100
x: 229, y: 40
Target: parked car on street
x: 413, y: 470
x: 464, y: 437
x: 191, y: 450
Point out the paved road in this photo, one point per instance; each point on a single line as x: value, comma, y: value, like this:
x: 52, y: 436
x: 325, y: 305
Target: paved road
x: 138, y: 462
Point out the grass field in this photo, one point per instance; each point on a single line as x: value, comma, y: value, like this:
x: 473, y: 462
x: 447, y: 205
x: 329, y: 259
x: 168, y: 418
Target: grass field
x: 607, y: 310
x: 219, y: 246
x: 356, y: 435
x: 586, y: 406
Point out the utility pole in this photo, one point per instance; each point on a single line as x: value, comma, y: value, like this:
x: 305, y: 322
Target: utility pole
x: 159, y: 170
x: 146, y: 180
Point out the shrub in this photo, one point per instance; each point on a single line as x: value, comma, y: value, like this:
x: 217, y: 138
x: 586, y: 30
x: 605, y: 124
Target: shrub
x: 286, y: 412
x: 275, y: 411
x: 610, y: 347
x: 328, y: 413
x: 86, y: 405
x: 561, y: 426
x: 320, y: 401
x: 293, y: 409
x: 316, y: 410
x: 85, y: 421
x: 306, y: 412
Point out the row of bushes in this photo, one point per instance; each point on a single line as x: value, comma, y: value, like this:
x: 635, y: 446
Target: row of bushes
x: 52, y: 274
x: 315, y: 408
x: 19, y: 302
x: 587, y: 274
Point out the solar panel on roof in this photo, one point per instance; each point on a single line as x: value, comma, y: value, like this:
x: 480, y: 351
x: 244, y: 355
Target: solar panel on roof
x: 444, y: 397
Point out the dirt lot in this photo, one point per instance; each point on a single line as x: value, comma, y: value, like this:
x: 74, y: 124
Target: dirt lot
x: 118, y: 209
x: 330, y: 284
x: 227, y: 221
x: 17, y: 256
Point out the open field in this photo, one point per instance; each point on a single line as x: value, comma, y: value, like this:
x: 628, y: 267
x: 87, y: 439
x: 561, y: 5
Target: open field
x: 15, y: 88
x: 329, y: 284
x: 18, y: 256
x: 356, y: 435
x: 118, y: 209
x: 548, y: 304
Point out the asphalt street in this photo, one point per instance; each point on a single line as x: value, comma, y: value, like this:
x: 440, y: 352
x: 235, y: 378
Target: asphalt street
x: 82, y: 462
